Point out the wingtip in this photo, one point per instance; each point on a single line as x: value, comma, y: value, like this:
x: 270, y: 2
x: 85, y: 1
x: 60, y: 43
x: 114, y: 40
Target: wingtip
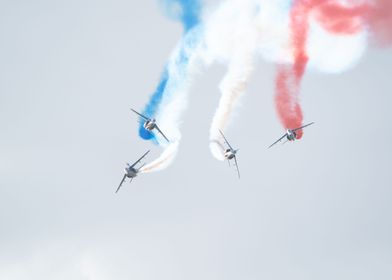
x: 168, y: 141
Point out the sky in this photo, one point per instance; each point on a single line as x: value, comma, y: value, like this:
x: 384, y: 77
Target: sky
x: 70, y: 71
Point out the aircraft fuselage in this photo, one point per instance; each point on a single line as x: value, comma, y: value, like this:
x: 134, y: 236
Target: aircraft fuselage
x: 150, y: 124
x: 291, y: 135
x: 131, y: 172
x: 229, y: 154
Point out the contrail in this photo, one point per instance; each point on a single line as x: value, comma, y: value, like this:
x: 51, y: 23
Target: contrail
x: 296, y: 35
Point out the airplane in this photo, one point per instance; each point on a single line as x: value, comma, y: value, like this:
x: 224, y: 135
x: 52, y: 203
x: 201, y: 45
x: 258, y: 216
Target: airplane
x: 150, y: 124
x: 230, y: 153
x: 291, y: 134
x: 131, y: 171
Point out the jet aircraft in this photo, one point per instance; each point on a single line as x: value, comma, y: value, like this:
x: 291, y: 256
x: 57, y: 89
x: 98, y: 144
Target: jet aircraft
x: 131, y: 171
x: 230, y: 153
x: 150, y: 124
x: 291, y: 134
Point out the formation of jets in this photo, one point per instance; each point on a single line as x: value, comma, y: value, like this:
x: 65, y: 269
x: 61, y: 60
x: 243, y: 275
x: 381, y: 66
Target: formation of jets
x: 229, y: 153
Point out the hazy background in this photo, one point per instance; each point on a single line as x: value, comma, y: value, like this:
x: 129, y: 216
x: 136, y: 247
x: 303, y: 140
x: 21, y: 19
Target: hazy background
x: 319, y: 208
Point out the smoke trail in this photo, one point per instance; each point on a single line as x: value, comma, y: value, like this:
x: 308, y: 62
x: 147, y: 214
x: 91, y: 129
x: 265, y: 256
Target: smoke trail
x: 380, y: 22
x: 170, y: 98
x: 232, y: 87
x: 335, y: 17
x: 163, y: 161
x: 287, y: 100
x: 231, y: 37
x: 354, y: 16
x: 326, y: 35
x: 182, y: 66
x: 188, y: 12
x: 289, y: 78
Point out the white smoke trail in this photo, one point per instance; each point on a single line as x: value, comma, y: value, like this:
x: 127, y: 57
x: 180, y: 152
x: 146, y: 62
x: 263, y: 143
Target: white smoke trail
x: 232, y: 87
x: 164, y: 160
x: 230, y: 37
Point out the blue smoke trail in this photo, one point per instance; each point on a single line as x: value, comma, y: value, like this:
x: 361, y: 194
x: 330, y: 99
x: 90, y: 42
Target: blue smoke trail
x: 152, y: 106
x: 188, y: 12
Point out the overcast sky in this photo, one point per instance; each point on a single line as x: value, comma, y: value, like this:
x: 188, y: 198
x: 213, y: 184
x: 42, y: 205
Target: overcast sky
x: 319, y: 208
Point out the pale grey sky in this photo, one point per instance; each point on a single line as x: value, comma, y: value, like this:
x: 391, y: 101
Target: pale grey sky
x: 319, y: 208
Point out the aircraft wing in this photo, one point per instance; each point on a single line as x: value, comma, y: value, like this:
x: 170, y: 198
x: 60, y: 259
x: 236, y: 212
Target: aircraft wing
x: 136, y: 162
x: 227, y: 142
x: 236, y: 165
x: 302, y: 126
x: 122, y: 181
x: 144, y: 117
x: 160, y: 131
x: 280, y: 139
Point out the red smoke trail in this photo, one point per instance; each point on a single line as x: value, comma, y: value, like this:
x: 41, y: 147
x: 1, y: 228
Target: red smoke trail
x: 376, y: 15
x: 380, y: 22
x: 286, y: 100
x: 289, y: 77
x: 337, y: 18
